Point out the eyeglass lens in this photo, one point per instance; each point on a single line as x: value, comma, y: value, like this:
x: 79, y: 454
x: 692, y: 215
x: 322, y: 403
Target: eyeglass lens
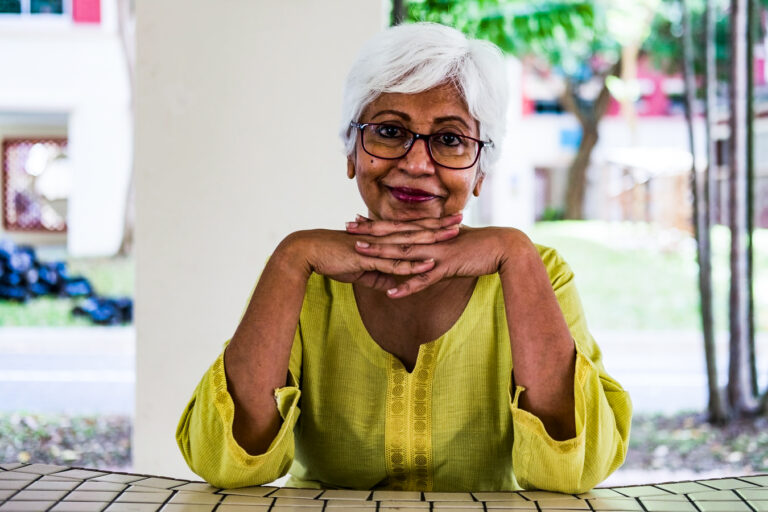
x: 447, y: 149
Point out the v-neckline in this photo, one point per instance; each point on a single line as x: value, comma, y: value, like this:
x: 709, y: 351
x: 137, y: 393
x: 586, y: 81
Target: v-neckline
x: 435, y: 343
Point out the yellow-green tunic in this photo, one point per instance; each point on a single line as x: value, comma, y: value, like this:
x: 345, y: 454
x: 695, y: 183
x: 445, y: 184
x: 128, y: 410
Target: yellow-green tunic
x: 353, y: 417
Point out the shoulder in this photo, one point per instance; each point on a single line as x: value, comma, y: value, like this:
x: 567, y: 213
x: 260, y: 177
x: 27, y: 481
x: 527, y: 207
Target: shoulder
x: 557, y: 268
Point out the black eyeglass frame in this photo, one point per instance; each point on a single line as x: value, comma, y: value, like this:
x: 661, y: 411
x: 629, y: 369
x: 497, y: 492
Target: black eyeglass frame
x: 426, y: 138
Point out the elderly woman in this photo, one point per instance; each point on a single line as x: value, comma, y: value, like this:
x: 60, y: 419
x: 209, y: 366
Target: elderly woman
x: 409, y: 351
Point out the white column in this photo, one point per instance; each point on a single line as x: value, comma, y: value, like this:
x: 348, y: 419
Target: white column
x: 236, y: 146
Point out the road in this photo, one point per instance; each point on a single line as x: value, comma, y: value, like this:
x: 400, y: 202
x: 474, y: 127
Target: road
x: 92, y: 370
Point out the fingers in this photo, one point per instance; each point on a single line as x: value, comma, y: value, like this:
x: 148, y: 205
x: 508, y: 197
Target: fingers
x: 365, y: 226
x: 377, y: 281
x: 414, y: 284
x: 401, y: 251
x: 397, y: 267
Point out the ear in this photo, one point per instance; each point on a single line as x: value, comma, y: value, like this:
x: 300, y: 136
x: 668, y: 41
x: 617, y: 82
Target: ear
x: 350, y: 167
x: 478, y: 185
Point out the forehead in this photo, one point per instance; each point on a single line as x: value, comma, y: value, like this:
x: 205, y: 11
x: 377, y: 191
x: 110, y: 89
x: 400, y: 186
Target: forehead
x: 422, y: 107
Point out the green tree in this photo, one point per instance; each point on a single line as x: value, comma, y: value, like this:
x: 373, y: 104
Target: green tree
x: 586, y: 40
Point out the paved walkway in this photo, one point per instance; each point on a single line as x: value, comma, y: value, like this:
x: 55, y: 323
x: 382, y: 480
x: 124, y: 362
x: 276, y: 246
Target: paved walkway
x: 74, y: 370
x: 92, y: 369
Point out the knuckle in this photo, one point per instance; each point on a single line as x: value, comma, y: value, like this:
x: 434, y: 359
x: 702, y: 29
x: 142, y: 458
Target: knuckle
x: 406, y: 248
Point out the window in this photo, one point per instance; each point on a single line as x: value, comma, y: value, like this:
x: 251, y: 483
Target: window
x: 37, y: 180
x: 34, y: 7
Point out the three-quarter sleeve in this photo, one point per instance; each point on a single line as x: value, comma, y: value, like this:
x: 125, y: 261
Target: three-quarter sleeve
x: 603, y: 411
x: 205, y: 437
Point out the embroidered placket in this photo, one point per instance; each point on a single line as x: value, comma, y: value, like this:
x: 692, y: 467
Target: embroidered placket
x: 408, y: 430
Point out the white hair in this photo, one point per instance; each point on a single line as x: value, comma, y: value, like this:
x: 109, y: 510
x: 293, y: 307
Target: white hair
x: 416, y: 57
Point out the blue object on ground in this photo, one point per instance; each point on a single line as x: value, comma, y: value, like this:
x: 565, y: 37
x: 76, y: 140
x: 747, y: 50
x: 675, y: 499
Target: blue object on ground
x: 22, y: 277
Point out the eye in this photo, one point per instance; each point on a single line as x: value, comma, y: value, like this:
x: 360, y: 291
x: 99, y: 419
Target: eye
x: 389, y: 131
x: 449, y: 139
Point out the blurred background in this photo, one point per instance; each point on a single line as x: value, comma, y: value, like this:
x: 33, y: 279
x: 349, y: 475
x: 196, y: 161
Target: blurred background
x: 150, y: 164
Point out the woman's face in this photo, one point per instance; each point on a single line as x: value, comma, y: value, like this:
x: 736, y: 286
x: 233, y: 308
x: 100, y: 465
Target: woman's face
x: 414, y: 186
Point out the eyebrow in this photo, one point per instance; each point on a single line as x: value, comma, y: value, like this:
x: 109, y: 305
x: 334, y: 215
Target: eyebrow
x: 406, y: 117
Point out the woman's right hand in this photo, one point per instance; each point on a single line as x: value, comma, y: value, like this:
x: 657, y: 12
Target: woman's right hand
x: 332, y: 253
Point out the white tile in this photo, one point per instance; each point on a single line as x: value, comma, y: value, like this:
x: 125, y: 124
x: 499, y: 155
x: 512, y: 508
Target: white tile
x: 298, y: 502
x: 48, y: 485
x: 196, y: 487
x: 548, y: 503
x: 722, y: 506
x: 350, y: 505
x: 234, y: 499
x: 543, y: 495
x: 187, y: 507
x: 453, y: 505
x: 615, y: 504
x: 240, y: 508
x: 38, y: 495
x: 80, y: 474
x: 133, y: 507
x: 26, y: 506
x: 158, y: 496
x: 11, y: 465
x: 195, y: 498
x: 498, y: 496
x: 344, y: 494
x: 727, y: 483
x: 118, y: 478
x: 79, y: 506
x: 91, y: 496
x: 101, y: 486
x: 637, y: 491
x: 17, y: 475
x: 41, y: 469
x: 448, y: 496
x: 396, y: 504
x: 513, y: 505
x: 287, y: 492
x: 250, y: 491
x: 396, y: 495
x: 159, y: 483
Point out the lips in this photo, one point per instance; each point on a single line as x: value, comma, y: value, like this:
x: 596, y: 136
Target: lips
x: 411, y: 195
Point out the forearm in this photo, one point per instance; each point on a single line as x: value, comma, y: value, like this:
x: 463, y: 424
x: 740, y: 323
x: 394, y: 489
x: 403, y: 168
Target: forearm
x: 257, y: 358
x: 543, y: 351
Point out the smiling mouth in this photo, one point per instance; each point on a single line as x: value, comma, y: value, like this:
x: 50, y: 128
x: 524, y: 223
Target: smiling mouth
x: 411, y: 195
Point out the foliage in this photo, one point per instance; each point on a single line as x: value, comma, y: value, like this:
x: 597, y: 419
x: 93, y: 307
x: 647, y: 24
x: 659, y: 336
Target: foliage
x: 85, y: 441
x: 686, y: 441
x: 566, y: 33
x: 636, y: 276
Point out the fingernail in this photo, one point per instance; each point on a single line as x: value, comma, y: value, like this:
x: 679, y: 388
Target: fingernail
x: 392, y: 291
x: 362, y: 244
x: 430, y: 260
x: 360, y: 217
x: 351, y: 225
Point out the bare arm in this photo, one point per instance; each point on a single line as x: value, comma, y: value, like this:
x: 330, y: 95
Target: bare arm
x: 543, y: 352
x: 255, y: 369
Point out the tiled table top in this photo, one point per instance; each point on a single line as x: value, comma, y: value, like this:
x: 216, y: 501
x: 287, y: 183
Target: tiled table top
x: 44, y: 487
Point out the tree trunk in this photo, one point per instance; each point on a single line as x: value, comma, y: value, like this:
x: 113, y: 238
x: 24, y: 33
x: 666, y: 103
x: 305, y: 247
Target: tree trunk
x: 589, y: 114
x: 739, y: 379
x: 398, y: 12
x: 126, y: 30
x: 701, y: 220
x: 750, y: 134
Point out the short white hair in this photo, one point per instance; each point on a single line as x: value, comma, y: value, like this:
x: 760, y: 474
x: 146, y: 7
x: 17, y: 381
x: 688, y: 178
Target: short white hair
x: 416, y: 57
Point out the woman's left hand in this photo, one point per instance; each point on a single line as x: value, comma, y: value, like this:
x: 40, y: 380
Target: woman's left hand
x: 474, y: 252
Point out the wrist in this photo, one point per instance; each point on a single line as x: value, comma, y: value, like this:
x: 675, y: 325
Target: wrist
x: 293, y: 255
x: 516, y: 252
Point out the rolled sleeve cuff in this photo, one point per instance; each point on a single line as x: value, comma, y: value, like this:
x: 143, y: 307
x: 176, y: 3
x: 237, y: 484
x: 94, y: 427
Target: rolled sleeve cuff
x: 281, y: 448
x: 539, y: 460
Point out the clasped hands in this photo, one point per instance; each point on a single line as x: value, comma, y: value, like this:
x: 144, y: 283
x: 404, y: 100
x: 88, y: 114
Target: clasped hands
x: 404, y: 257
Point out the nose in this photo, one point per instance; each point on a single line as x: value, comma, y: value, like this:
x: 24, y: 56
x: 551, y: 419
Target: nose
x: 417, y: 160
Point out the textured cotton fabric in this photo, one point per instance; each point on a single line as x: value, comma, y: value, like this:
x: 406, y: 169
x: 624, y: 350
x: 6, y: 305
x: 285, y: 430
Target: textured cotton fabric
x: 353, y: 417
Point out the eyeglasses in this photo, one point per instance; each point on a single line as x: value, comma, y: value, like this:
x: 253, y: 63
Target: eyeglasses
x: 446, y: 149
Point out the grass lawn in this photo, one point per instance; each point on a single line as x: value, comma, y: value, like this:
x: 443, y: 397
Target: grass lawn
x: 634, y: 276
x: 109, y: 277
